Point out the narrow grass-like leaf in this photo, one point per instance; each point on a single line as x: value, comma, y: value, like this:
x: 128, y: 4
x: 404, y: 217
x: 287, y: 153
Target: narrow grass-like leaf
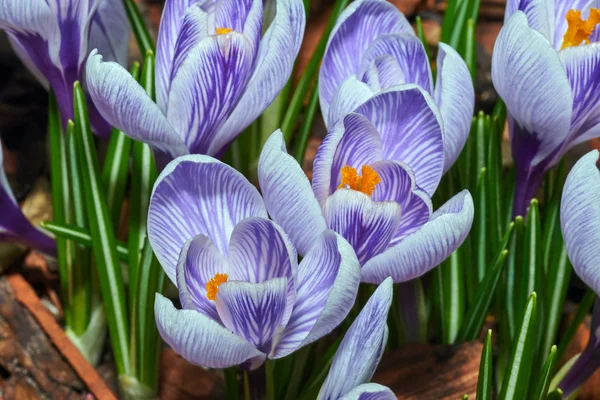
x: 541, y: 392
x: 469, y: 48
x: 232, y: 385
x: 480, y: 234
x: 300, y: 361
x: 138, y: 26
x: 518, y: 372
x: 495, y: 189
x: 309, y: 75
x: 510, y: 290
x: 449, y: 18
x: 457, y: 33
x: 421, y: 34
x: 302, y: 139
x: 582, y: 311
x: 103, y: 237
x: 484, y: 380
x: 556, y: 394
x: 320, y: 371
x: 449, y: 276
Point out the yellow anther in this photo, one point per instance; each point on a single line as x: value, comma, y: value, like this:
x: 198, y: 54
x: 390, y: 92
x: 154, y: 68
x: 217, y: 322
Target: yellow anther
x: 212, y: 287
x: 579, y: 30
x: 365, y: 183
x: 224, y: 31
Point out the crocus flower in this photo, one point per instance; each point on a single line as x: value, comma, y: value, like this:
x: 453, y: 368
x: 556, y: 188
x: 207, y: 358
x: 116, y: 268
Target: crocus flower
x: 214, y: 75
x: 14, y: 226
x: 545, y: 66
x: 372, y: 48
x: 360, y: 351
x: 53, y: 38
x: 580, y: 222
x: 372, y: 179
x: 243, y: 293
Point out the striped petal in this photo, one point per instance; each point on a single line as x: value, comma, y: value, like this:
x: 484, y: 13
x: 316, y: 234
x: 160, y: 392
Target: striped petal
x: 529, y: 77
x: 350, y: 94
x: 288, y: 195
x: 382, y: 73
x: 109, y: 30
x: 254, y: 311
x: 245, y: 16
x: 398, y: 184
x: 367, y: 225
x: 409, y: 53
x: 426, y: 248
x: 201, y: 340
x: 207, y: 87
x: 328, y: 279
x: 370, y: 391
x: 198, y: 263
x: 360, y: 351
x: 198, y: 195
x: 410, y: 127
x: 580, y: 219
x: 125, y: 105
x: 276, y: 56
x: 358, y: 25
x: 455, y: 96
x: 582, y: 64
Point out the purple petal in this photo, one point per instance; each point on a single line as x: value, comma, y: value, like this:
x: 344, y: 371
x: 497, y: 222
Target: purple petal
x: 529, y: 77
x: 207, y: 86
x: 328, y: 279
x: 382, y: 73
x: 582, y: 64
x: 455, y: 96
x: 288, y: 195
x: 410, y: 127
x: 580, y: 219
x: 198, y: 195
x: 254, y: 311
x: 350, y: 94
x: 426, y: 248
x: 358, y: 25
x: 409, y: 53
x: 540, y: 15
x: 125, y: 104
x: 201, y: 340
x: 110, y: 31
x: 273, y: 67
x: 258, y: 251
x: 245, y: 16
x: 198, y: 263
x: 398, y: 184
x: 370, y: 391
x: 360, y: 351
x: 367, y: 225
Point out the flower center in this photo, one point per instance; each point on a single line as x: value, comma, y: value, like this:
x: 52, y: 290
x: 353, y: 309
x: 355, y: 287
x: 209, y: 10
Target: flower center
x: 224, y: 31
x: 365, y: 183
x: 579, y: 30
x: 212, y: 287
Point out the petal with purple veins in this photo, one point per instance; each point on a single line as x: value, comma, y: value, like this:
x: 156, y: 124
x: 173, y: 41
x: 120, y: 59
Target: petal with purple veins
x: 201, y: 340
x: 198, y: 195
x: 350, y: 94
x: 109, y: 30
x: 426, y: 248
x: 370, y: 391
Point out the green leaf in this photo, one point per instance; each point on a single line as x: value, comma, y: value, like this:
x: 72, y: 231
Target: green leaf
x: 308, y: 76
x: 484, y: 381
x: 449, y: 278
x: 479, y: 235
x: 517, y: 375
x: 479, y: 309
x: 495, y: 187
x: 509, y: 300
x: 116, y: 165
x: 138, y: 26
x: 469, y: 49
x: 103, y: 237
x: 546, y: 376
x: 81, y: 236
x: 460, y: 19
x: 582, y: 311
x: 320, y: 371
x: 555, y: 395
x: 421, y: 35
x: 232, y: 385
x: 302, y: 140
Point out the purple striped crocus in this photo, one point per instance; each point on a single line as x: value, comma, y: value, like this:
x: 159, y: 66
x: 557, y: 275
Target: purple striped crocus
x: 215, y: 74
x: 580, y: 223
x: 53, y: 38
x: 360, y: 351
x: 546, y: 68
x: 244, y: 295
x: 372, y: 48
x: 14, y: 226
x: 373, y: 177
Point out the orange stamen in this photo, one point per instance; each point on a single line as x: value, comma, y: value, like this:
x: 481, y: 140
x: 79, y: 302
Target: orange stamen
x: 364, y: 184
x: 579, y: 30
x: 212, y: 287
x: 224, y: 31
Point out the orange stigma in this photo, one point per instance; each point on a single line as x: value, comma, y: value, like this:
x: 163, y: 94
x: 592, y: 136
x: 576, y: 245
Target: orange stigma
x: 224, y: 31
x: 365, y: 183
x: 579, y: 30
x: 212, y: 287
